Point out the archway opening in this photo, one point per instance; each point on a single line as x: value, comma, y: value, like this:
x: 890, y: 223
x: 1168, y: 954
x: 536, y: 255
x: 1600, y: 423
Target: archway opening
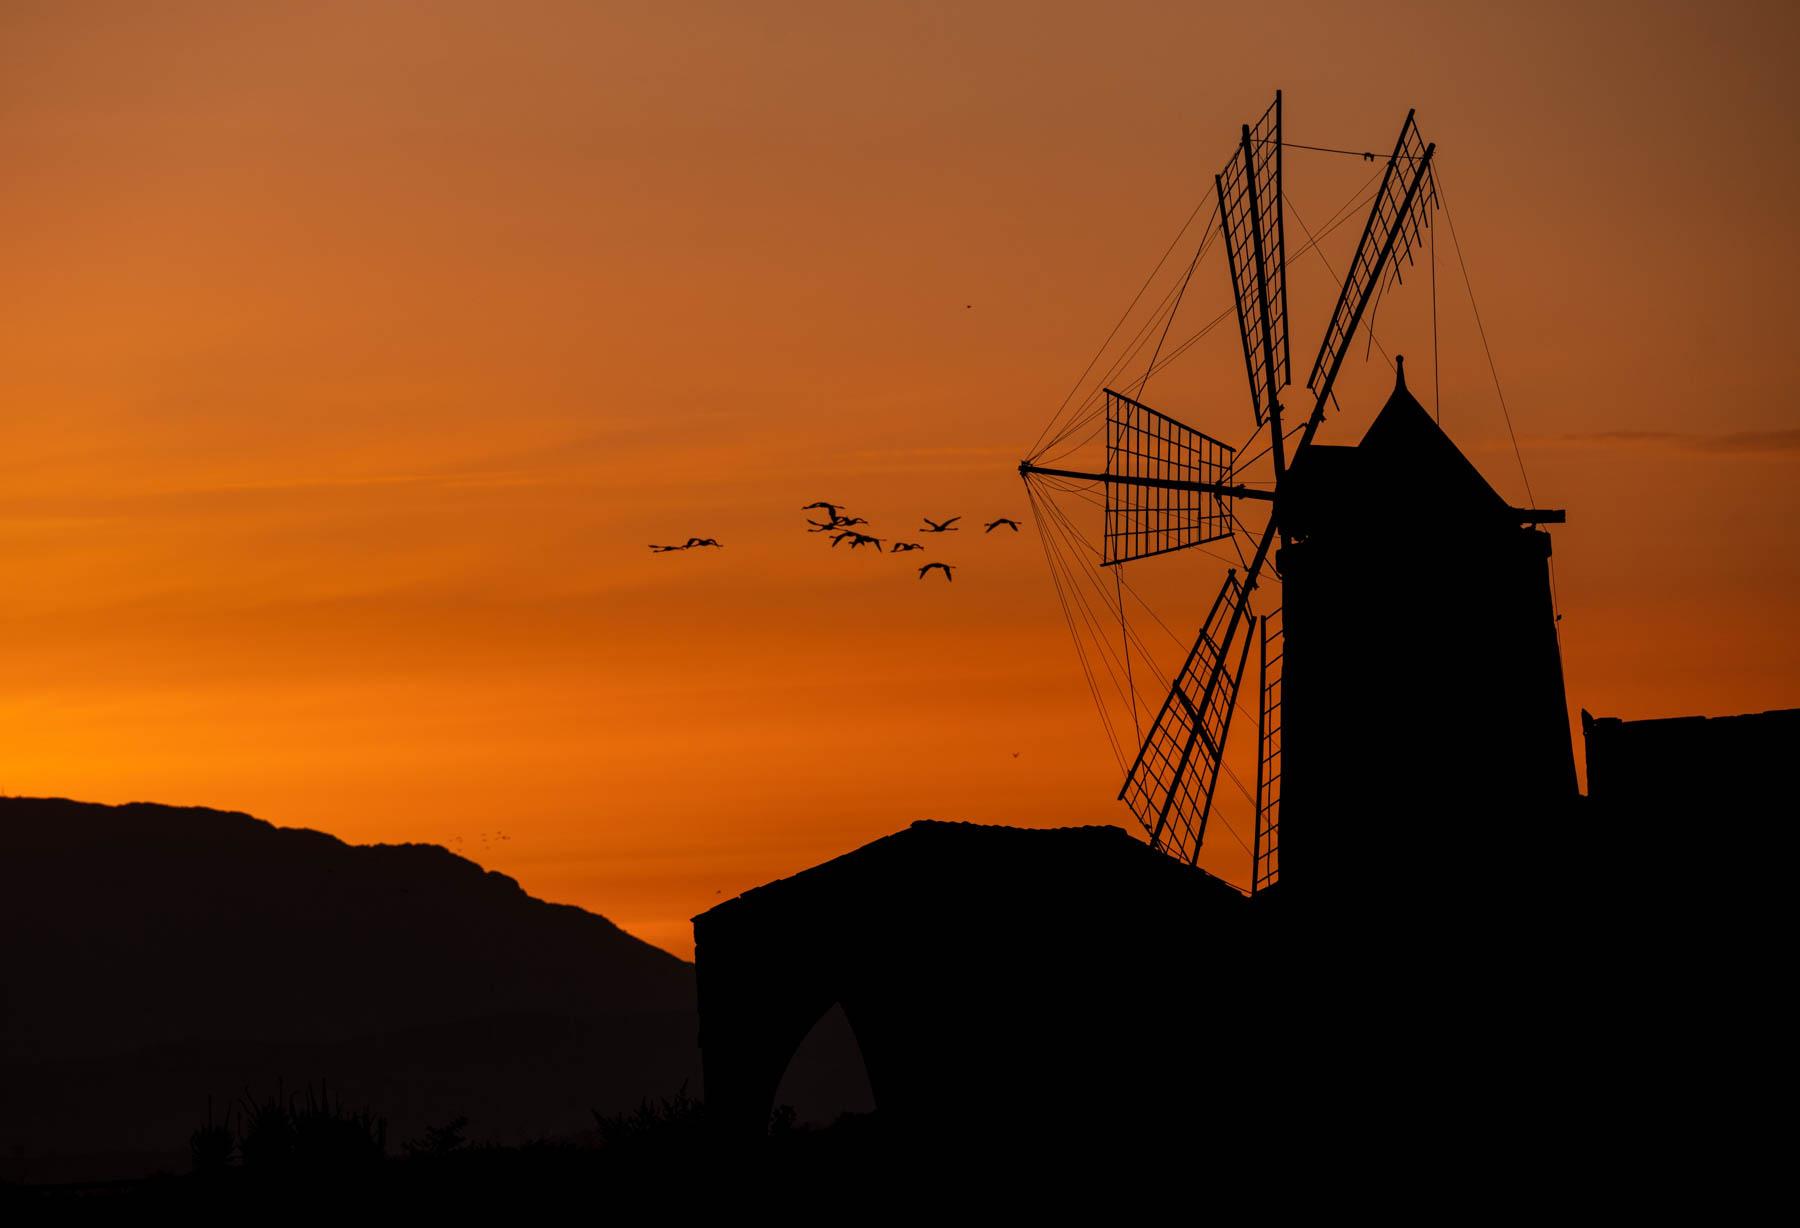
x: 826, y: 1077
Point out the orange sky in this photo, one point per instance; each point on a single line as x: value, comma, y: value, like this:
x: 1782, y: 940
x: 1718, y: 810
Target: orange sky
x: 350, y: 355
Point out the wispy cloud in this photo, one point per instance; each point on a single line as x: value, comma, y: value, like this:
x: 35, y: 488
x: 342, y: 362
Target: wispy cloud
x: 1782, y: 443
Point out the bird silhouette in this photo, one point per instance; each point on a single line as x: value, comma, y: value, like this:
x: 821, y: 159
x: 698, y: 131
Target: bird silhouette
x: 820, y: 526
x: 929, y: 566
x: 899, y: 547
x: 844, y: 522
x: 937, y: 527
x: 702, y: 541
x: 863, y: 539
x: 831, y: 509
x: 666, y: 549
x: 1003, y: 521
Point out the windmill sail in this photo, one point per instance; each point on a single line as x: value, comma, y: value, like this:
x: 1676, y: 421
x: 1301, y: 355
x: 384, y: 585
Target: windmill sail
x: 1402, y: 208
x: 1265, y: 854
x: 1170, y: 786
x: 1147, y: 448
x: 1255, y: 246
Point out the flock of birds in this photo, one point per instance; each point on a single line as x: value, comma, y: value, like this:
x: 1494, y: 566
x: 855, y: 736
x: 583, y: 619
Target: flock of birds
x: 843, y: 529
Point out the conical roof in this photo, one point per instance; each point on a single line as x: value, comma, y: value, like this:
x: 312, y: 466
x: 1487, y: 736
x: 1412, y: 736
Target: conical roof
x: 1405, y: 473
x: 1408, y: 452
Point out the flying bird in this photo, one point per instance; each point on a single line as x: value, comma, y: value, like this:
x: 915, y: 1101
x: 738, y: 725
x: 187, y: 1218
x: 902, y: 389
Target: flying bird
x: 819, y: 526
x: 702, y: 541
x: 844, y: 522
x: 903, y: 546
x: 944, y: 527
x: 666, y: 549
x: 862, y: 539
x: 1003, y: 521
x: 831, y: 509
x: 929, y: 566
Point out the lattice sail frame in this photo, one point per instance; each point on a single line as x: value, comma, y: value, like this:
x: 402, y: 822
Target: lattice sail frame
x: 1256, y: 248
x: 1170, y: 786
x: 1402, y: 210
x: 1142, y: 521
x: 1265, y: 853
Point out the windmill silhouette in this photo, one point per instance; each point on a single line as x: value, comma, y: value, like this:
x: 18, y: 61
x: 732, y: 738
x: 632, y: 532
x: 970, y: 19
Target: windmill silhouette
x: 1428, y: 696
x: 1169, y: 487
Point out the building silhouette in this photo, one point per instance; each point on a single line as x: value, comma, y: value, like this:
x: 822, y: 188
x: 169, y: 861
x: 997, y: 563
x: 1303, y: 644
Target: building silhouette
x: 1435, y: 999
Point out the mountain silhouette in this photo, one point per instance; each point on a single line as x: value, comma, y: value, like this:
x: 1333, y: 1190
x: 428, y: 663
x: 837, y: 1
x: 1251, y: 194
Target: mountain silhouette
x: 157, y: 955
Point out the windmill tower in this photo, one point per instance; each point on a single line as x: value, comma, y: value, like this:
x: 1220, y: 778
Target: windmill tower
x: 1415, y: 619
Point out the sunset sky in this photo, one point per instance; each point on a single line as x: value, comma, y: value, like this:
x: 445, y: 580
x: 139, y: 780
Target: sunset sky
x: 351, y: 354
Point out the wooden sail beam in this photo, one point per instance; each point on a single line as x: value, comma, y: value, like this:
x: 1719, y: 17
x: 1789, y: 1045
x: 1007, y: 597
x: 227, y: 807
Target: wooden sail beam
x: 1026, y: 469
x: 1276, y: 440
x: 1420, y: 175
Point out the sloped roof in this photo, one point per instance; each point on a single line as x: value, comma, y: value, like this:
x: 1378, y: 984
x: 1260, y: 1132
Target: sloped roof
x: 1405, y: 470
x: 1410, y: 450
x: 931, y: 857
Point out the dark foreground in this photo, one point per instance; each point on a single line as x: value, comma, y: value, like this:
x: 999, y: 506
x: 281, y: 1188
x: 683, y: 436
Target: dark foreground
x: 851, y: 1169
x: 671, y: 1164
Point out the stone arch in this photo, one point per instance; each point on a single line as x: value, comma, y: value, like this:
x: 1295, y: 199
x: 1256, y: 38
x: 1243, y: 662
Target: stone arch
x: 827, y: 1075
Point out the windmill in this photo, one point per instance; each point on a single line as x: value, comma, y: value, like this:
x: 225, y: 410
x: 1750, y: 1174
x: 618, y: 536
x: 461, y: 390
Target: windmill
x: 1169, y: 487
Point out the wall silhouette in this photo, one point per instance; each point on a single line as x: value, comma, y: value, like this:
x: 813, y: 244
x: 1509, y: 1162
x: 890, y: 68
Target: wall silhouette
x: 1662, y: 776
x: 1007, y: 987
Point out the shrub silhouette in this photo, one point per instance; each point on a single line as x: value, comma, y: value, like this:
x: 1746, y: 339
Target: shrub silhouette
x: 279, y: 1133
x: 211, y: 1144
x: 439, y: 1141
x: 679, y: 1121
x: 664, y: 1122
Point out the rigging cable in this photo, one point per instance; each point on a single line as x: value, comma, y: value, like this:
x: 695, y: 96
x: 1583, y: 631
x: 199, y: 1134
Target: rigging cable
x: 1555, y: 602
x: 1074, y: 539
x: 1091, y: 404
x: 1437, y: 396
x: 1128, y: 310
x: 1366, y: 155
x: 1492, y: 369
x: 1192, y: 265
x: 1081, y: 654
x: 1125, y: 643
x: 1313, y: 245
x: 1080, y: 547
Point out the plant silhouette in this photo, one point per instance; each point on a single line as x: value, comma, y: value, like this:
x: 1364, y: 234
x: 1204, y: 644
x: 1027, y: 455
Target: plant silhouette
x: 282, y: 1133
